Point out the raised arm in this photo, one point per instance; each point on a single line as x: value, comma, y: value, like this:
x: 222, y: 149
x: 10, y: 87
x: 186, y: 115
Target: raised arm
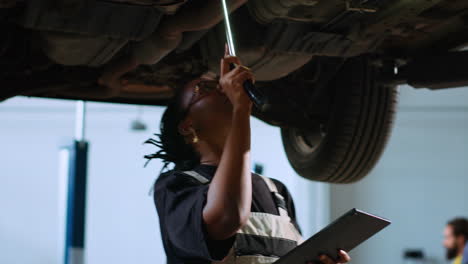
x: 230, y: 193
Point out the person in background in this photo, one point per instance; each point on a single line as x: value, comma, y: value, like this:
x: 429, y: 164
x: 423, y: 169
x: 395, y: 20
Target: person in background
x: 455, y: 240
x: 465, y: 255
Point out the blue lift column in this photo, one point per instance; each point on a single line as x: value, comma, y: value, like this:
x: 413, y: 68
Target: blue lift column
x: 73, y: 178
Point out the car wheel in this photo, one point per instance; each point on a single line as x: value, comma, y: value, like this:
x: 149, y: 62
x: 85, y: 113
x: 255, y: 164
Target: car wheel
x: 349, y: 144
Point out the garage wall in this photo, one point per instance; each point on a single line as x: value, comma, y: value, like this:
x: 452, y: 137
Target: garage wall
x: 122, y: 226
x: 121, y: 223
x: 421, y: 181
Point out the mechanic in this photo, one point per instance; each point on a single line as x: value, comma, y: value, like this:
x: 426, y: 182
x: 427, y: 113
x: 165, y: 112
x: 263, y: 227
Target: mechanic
x: 211, y: 207
x: 455, y: 239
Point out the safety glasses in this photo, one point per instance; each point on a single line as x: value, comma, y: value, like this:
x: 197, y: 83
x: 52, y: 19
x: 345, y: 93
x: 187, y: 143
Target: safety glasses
x: 201, y: 90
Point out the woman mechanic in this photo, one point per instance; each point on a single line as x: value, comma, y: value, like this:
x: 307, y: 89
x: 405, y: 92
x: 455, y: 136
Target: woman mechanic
x: 212, y: 209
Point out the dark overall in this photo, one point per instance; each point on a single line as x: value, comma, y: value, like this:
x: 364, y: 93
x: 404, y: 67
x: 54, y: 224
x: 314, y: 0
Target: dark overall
x: 262, y: 232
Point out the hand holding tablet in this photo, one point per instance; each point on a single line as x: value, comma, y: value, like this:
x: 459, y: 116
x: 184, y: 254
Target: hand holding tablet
x: 345, y: 233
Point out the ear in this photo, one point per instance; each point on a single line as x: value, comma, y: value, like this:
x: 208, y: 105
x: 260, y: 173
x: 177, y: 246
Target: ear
x: 184, y: 127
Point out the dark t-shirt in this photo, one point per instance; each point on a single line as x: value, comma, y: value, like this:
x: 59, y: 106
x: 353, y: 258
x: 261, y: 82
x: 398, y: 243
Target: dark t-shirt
x: 465, y: 255
x: 180, y: 200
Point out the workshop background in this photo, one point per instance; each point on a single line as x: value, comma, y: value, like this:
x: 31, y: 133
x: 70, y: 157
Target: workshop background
x: 420, y: 183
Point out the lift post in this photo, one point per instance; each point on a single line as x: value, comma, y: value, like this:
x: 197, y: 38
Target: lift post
x: 73, y: 180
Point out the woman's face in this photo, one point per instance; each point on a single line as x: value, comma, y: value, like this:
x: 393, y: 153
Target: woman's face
x: 209, y: 110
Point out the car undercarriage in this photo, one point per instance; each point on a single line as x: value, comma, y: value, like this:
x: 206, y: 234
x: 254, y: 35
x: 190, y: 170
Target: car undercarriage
x: 329, y: 68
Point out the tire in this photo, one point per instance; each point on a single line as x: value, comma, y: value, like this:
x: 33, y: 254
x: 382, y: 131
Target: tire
x: 347, y: 147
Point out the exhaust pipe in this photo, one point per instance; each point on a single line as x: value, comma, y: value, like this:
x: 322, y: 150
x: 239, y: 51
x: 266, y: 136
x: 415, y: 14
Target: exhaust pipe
x: 441, y: 71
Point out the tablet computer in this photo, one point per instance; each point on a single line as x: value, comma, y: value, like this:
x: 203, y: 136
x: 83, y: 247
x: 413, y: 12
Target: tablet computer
x: 345, y: 233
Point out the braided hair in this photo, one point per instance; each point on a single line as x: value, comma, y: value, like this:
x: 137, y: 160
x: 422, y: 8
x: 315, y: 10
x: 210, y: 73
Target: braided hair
x: 173, y: 147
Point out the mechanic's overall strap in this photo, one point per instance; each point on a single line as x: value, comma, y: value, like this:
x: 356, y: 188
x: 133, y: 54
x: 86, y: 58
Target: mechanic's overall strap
x: 197, y: 176
x: 277, y: 197
x: 265, y: 237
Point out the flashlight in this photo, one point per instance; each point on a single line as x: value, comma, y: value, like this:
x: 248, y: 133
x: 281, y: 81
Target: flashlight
x: 257, y: 97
